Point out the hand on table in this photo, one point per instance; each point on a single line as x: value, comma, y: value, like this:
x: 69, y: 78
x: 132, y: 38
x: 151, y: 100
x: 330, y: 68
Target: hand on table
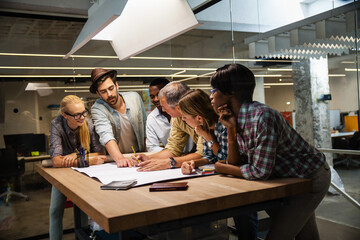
x: 220, y: 167
x: 124, y: 162
x: 69, y: 160
x: 140, y: 157
x: 187, y: 167
x: 154, y: 164
x: 96, y: 160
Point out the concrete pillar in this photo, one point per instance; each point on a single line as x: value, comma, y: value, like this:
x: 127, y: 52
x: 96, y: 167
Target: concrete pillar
x: 312, y: 116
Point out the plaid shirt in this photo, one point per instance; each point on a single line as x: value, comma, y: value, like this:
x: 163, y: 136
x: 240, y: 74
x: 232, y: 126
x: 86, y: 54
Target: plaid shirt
x: 272, y: 147
x: 220, y: 133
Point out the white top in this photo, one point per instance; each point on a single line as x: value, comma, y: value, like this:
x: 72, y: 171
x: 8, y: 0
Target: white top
x: 158, y: 131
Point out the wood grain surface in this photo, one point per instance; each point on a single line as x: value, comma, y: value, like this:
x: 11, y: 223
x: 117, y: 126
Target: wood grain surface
x: 122, y: 210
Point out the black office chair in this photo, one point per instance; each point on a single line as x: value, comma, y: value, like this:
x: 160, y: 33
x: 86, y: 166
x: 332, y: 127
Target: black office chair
x: 352, y: 144
x: 11, y: 167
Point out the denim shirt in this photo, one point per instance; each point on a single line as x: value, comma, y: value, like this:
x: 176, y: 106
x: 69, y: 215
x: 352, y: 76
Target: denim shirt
x: 107, y: 120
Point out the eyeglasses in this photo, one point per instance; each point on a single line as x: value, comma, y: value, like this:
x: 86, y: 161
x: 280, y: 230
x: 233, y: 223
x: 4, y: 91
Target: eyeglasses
x: 213, y: 90
x: 78, y: 115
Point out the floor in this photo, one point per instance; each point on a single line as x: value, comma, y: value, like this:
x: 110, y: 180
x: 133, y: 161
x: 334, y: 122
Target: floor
x: 336, y: 217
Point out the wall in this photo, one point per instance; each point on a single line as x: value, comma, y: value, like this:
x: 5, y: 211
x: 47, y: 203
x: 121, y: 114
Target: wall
x: 277, y: 97
x: 344, y: 93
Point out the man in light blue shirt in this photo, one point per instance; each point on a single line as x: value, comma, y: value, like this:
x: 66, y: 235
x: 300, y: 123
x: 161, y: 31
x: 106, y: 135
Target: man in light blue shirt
x: 119, y: 119
x: 158, y: 122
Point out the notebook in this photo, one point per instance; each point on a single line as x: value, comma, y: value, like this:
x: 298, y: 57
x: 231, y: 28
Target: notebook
x: 119, y: 185
x: 166, y: 186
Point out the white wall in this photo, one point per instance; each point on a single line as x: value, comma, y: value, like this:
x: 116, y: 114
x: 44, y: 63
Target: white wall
x: 277, y: 97
x: 344, y: 93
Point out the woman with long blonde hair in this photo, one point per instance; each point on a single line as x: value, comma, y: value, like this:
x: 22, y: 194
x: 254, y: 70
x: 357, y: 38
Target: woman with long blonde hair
x: 72, y: 141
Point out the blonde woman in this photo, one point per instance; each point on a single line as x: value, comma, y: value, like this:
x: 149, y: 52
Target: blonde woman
x: 71, y: 132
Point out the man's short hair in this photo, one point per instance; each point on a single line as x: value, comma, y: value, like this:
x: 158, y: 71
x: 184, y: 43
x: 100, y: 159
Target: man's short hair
x: 173, y: 92
x: 234, y: 79
x: 162, y: 82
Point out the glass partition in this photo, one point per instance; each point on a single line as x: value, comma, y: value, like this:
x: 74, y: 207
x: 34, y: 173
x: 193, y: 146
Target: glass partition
x: 270, y: 37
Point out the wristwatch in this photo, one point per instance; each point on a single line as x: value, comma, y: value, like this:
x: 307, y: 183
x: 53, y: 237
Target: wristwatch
x: 172, y: 163
x: 210, y: 143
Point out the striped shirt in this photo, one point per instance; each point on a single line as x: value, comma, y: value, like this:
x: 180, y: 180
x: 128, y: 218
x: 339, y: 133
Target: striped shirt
x: 220, y: 133
x: 271, y: 146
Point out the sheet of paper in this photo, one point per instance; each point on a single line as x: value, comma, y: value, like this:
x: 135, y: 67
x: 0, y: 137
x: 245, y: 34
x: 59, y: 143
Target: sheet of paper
x: 110, y: 172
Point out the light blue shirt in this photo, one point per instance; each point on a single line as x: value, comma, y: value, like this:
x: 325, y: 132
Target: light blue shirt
x: 107, y: 120
x: 157, y: 131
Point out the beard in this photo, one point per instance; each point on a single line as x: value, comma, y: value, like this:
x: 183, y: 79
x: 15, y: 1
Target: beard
x: 111, y: 101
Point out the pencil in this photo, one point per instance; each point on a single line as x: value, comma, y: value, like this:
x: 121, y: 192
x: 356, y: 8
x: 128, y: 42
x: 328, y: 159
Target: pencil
x: 134, y: 152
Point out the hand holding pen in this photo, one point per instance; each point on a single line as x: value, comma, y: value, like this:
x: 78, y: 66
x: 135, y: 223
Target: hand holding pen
x: 139, y: 157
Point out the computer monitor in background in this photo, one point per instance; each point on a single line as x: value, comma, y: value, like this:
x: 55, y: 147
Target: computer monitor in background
x: 24, y: 144
x: 342, y: 116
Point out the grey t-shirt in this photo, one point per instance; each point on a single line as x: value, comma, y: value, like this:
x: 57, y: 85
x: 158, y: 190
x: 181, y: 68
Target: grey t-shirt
x: 128, y: 138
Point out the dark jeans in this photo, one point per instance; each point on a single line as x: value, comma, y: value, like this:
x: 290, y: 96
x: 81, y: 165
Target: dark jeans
x: 247, y: 226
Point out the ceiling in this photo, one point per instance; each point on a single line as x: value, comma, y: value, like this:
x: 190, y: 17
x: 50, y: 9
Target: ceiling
x: 32, y: 46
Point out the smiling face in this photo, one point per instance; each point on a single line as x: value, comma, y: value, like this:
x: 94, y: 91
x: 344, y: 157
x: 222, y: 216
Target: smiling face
x: 108, y: 92
x: 74, y: 109
x: 218, y: 99
x: 173, y: 112
x: 154, y: 92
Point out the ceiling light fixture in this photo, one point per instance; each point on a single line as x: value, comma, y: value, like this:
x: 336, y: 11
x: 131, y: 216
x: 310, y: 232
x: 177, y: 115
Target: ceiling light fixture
x: 268, y: 75
x: 151, y: 58
x: 113, y: 68
x: 278, y: 84
x: 130, y: 25
x: 280, y: 69
x: 87, y: 76
x: 43, y: 86
x: 337, y: 75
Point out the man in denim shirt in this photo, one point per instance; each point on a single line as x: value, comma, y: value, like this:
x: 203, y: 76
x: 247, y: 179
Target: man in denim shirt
x: 119, y: 119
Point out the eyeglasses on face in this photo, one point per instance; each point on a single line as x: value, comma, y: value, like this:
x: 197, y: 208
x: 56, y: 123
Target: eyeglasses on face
x: 213, y: 90
x: 78, y: 115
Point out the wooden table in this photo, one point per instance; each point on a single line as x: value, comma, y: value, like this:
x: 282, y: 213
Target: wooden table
x: 34, y: 158
x: 219, y: 196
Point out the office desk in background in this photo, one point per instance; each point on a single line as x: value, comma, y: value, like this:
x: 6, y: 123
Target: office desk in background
x: 207, y: 198
x: 342, y: 134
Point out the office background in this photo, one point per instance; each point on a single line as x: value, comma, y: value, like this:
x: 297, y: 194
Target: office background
x: 36, y: 35
x: 34, y: 76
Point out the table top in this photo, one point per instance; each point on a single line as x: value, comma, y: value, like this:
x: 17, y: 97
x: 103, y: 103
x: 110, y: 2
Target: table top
x: 34, y: 158
x: 122, y: 210
x: 342, y: 134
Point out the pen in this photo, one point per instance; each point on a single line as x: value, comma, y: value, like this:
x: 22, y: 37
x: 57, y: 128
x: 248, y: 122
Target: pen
x: 134, y: 152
